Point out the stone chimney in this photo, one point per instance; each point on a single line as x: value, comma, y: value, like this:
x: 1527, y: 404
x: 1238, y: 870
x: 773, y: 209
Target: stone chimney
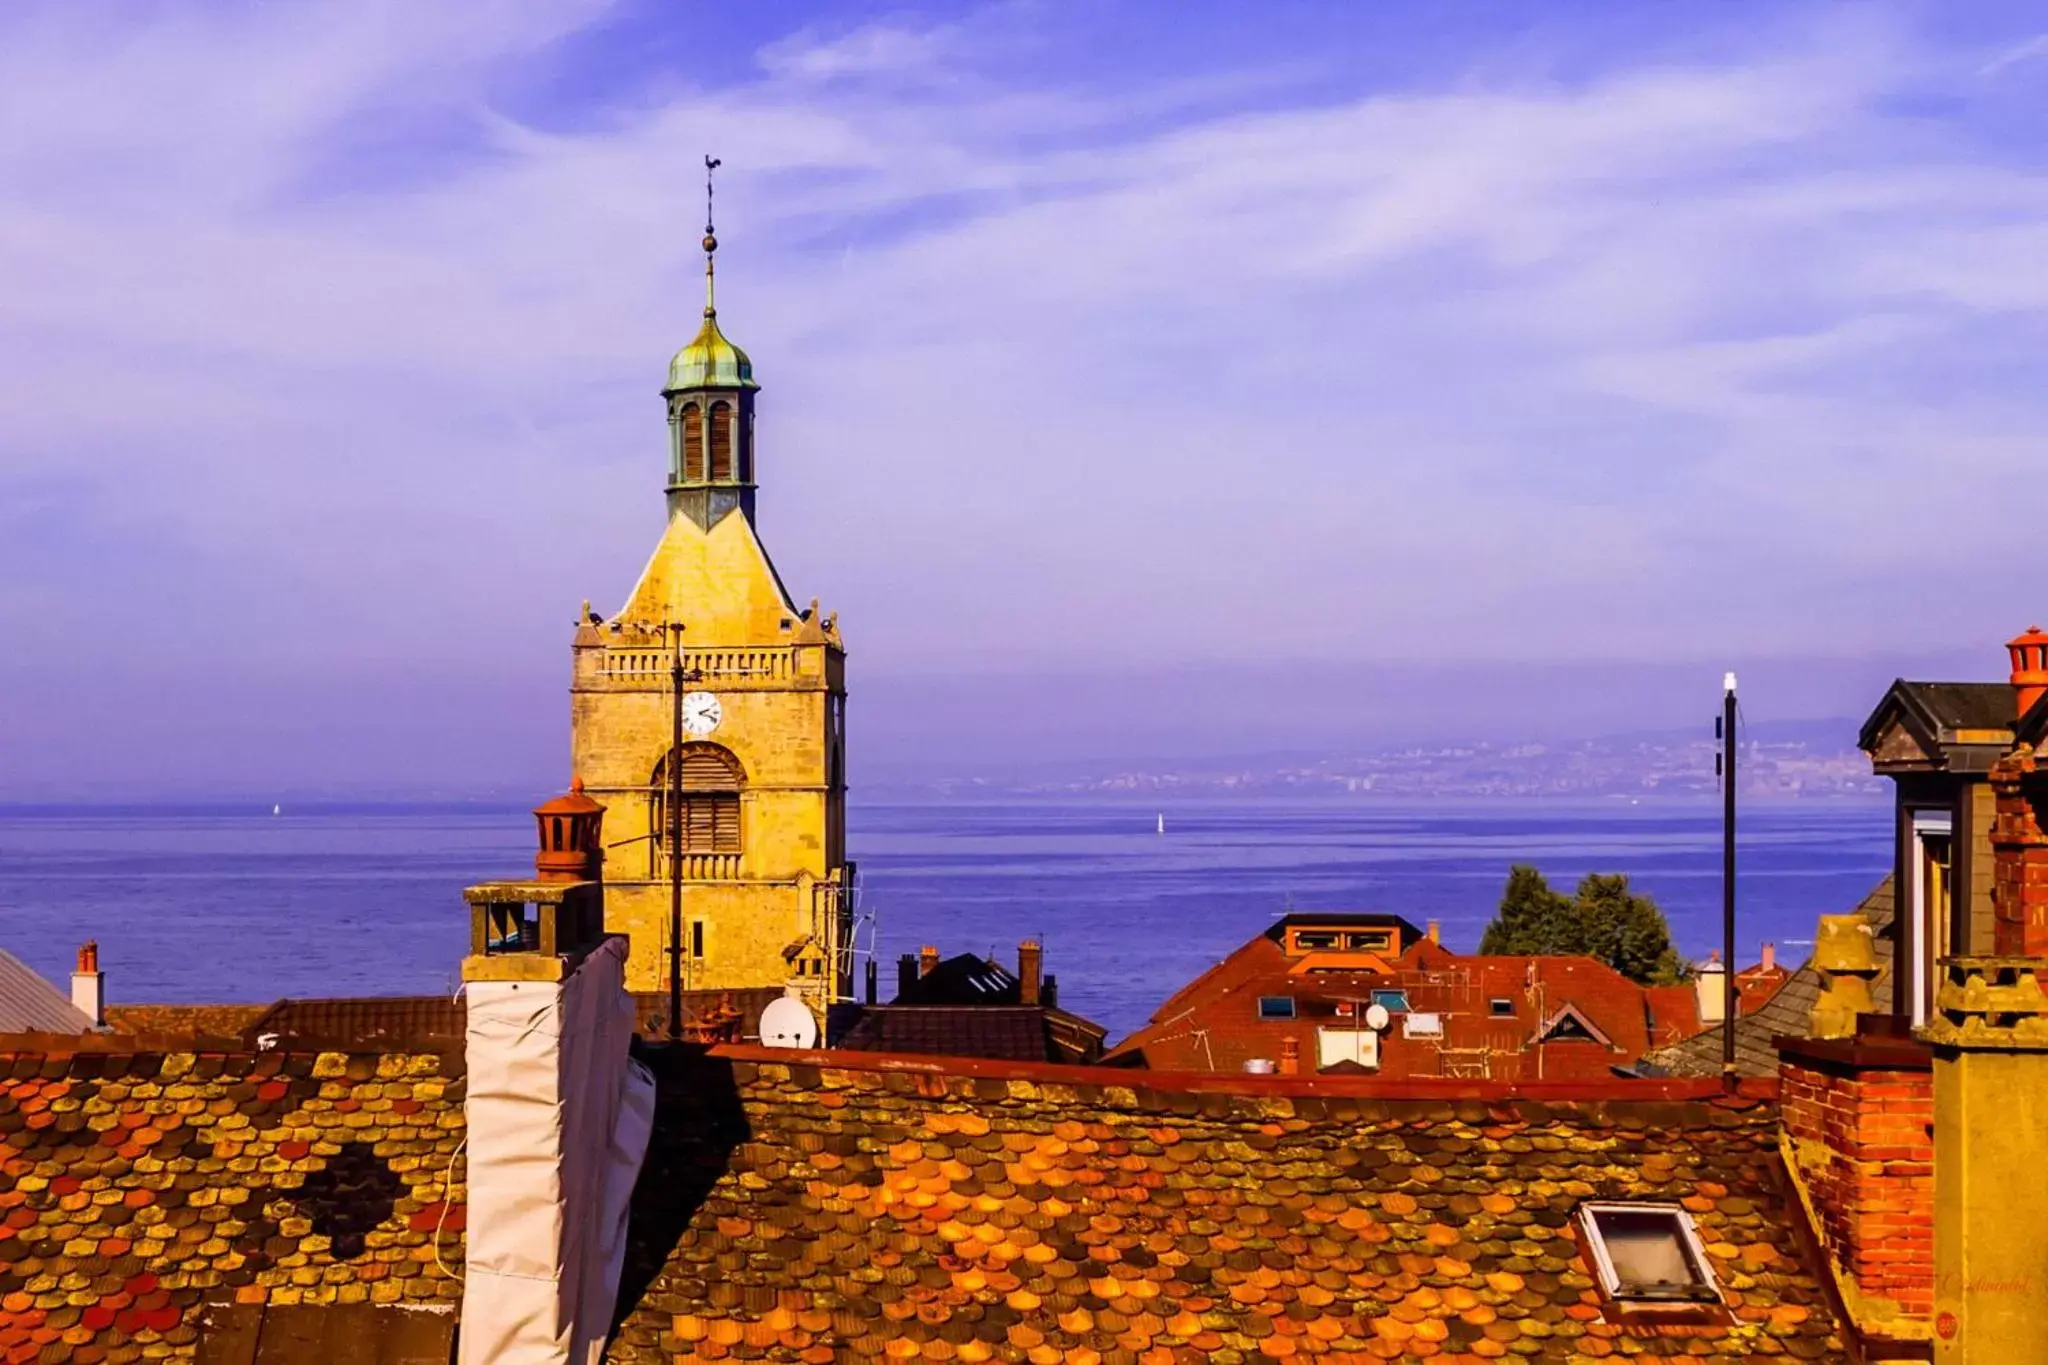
x: 1845, y: 957
x: 556, y: 1111
x: 927, y: 960
x: 89, y: 985
x: 1708, y: 986
x: 2029, y: 669
x: 1989, y: 1036
x: 1030, y: 963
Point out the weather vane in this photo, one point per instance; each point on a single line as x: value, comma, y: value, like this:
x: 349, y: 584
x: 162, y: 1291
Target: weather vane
x: 711, y: 163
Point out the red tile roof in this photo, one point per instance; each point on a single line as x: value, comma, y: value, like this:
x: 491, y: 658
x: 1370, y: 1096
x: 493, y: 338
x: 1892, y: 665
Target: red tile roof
x: 824, y: 1206
x: 1493, y: 1013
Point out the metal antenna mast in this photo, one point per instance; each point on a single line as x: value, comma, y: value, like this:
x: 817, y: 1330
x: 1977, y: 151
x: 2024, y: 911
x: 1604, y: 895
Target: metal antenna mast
x: 1729, y: 1003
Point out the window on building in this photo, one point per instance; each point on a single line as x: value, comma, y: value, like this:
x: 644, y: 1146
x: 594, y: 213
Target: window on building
x: 721, y: 442
x: 1315, y: 940
x: 1276, y: 1007
x: 1647, y: 1254
x: 697, y: 939
x: 710, y: 809
x: 1501, y: 1007
x: 1933, y: 922
x: 1393, y: 1002
x: 1425, y: 1025
x: 1375, y: 941
x: 693, y: 444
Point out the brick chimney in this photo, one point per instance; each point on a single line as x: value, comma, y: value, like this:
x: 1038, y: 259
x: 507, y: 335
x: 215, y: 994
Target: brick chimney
x: 89, y: 985
x: 927, y: 960
x: 2029, y: 668
x: 906, y: 974
x: 1030, y: 963
x: 2019, y: 849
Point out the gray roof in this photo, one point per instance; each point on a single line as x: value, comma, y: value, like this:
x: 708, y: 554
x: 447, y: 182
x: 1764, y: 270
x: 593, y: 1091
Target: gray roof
x: 1790, y: 1011
x: 29, y: 1004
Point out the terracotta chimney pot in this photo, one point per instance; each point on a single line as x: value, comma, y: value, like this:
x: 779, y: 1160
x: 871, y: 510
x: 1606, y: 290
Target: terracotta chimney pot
x: 1290, y: 1056
x: 927, y: 959
x: 2029, y: 668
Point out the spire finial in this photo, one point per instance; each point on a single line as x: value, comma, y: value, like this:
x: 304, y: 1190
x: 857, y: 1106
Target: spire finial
x: 711, y: 163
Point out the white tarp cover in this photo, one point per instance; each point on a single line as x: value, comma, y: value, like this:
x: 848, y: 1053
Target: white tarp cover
x: 558, y: 1118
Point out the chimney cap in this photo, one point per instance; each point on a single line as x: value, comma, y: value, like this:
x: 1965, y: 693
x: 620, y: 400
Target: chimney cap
x: 89, y: 957
x: 571, y: 802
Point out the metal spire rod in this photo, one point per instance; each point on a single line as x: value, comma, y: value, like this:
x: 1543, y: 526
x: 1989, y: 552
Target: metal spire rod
x: 711, y: 163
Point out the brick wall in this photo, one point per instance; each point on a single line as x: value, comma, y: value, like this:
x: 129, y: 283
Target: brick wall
x: 1865, y: 1147
x: 2019, y: 893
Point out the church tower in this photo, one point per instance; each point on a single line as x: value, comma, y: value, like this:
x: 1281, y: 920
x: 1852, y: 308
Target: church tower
x: 744, y: 819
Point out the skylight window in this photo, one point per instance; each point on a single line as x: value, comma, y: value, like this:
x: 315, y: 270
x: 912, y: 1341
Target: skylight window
x: 1647, y: 1254
x: 1501, y: 1007
x: 1276, y: 1007
x: 1393, y: 1002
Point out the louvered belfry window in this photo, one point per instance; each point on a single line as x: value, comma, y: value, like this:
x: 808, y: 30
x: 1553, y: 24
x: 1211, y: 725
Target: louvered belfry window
x: 721, y: 442
x: 693, y: 444
x: 711, y: 800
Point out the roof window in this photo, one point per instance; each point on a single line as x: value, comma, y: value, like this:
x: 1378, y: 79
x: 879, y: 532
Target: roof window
x: 1393, y: 1002
x: 1500, y: 1007
x: 1647, y: 1254
x: 1276, y: 1007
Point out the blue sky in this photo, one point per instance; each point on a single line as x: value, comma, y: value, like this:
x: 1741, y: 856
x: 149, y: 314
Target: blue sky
x: 1121, y: 363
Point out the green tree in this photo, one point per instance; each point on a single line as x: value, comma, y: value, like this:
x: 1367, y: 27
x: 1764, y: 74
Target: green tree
x: 1604, y: 920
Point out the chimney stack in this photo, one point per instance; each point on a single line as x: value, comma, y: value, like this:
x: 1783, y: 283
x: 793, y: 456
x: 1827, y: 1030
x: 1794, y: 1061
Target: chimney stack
x: 1030, y: 960
x: 1709, y: 986
x: 872, y: 983
x: 2029, y: 668
x: 1290, y: 1056
x: 89, y: 985
x: 1770, y: 957
x: 1436, y: 931
x: 906, y: 976
x: 927, y: 960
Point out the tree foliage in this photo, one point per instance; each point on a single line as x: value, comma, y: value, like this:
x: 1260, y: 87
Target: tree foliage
x: 1604, y: 919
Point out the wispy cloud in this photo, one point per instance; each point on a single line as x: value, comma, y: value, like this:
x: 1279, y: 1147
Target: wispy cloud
x: 328, y: 308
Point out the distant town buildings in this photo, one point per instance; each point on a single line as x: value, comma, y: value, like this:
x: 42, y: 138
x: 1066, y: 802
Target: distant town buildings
x: 1370, y: 994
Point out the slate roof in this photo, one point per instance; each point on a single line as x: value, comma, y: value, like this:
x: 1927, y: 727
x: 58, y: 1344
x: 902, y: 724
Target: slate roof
x: 816, y: 1207
x: 1018, y: 1033
x: 362, y: 1023
x: 1963, y: 726
x: 137, y: 1189
x: 1788, y: 1012
x: 1214, y: 1022
x: 29, y: 1004
x: 963, y: 979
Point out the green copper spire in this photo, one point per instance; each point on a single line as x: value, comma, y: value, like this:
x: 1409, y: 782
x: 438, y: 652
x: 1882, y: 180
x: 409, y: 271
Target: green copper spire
x: 710, y: 361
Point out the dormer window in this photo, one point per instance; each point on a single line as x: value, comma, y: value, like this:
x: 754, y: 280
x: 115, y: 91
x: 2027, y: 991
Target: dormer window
x: 1647, y: 1255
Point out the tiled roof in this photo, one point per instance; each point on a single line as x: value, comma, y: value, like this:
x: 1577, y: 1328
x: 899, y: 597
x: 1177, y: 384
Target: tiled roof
x: 1788, y: 1012
x: 1014, y: 1032
x: 362, y: 1023
x: 1215, y: 1024
x: 29, y: 1004
x: 183, y: 1021
x: 812, y: 1207
x: 138, y: 1188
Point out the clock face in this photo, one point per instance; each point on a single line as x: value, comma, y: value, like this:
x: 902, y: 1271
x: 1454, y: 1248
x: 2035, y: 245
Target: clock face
x: 701, y: 713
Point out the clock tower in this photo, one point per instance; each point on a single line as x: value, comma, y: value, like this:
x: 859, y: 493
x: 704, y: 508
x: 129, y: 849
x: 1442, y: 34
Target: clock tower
x: 756, y: 837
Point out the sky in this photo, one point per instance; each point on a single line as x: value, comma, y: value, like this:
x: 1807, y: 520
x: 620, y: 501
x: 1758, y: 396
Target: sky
x: 1159, y: 378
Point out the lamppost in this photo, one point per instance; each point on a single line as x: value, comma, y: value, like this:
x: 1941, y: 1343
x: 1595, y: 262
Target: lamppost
x: 678, y: 677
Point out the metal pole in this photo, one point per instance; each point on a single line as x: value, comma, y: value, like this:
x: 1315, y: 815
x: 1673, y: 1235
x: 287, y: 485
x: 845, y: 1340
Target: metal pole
x: 1728, y: 992
x: 675, y: 838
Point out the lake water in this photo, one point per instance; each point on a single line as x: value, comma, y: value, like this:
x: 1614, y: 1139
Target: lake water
x: 237, y: 904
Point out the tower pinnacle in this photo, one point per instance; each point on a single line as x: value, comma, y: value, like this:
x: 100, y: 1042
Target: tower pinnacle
x: 711, y: 163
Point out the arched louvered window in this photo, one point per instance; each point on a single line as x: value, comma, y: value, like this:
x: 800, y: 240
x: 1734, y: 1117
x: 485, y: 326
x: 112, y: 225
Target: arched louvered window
x: 711, y: 800
x: 693, y: 444
x: 721, y: 442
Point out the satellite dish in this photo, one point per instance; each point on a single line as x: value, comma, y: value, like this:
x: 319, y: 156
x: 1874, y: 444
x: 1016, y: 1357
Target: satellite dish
x: 788, y: 1022
x: 1376, y: 1016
